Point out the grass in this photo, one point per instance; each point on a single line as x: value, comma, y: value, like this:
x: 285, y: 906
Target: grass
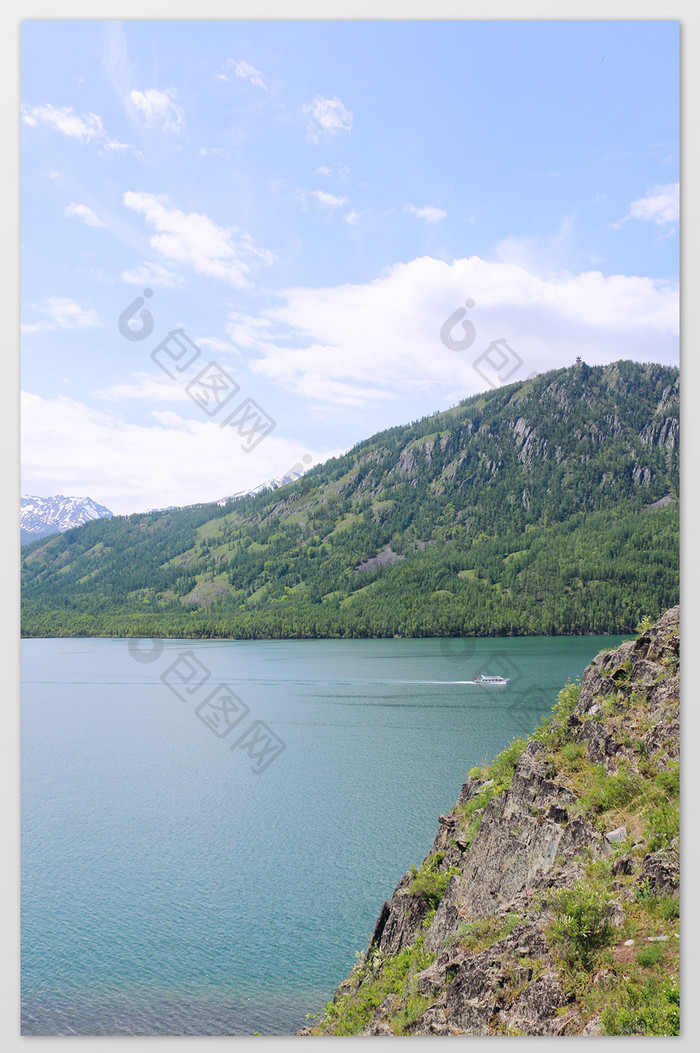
x: 378, y: 977
x: 643, y: 1006
x: 429, y: 883
x: 477, y: 936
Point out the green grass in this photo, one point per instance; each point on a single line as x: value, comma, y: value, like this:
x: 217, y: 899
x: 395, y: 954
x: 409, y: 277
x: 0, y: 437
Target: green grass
x: 429, y: 883
x: 647, y: 1006
x: 379, y: 977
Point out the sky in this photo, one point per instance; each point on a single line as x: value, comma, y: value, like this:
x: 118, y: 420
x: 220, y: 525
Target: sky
x: 331, y: 228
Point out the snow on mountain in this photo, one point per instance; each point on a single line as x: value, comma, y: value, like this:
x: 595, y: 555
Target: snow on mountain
x: 270, y: 484
x: 42, y: 516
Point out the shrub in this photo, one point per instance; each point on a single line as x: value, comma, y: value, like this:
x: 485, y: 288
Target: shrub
x: 582, y: 923
x: 429, y: 883
x: 662, y: 825
x: 644, y: 624
x: 670, y: 780
x: 501, y: 771
x: 552, y: 729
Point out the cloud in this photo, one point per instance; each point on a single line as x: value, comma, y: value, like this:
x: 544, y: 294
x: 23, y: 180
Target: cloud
x: 148, y: 273
x: 62, y: 313
x: 661, y: 206
x: 326, y: 117
x: 192, y: 238
x: 146, y: 386
x: 351, y: 217
x: 329, y: 201
x: 84, y: 213
x: 428, y: 213
x: 113, y: 146
x: 353, y: 344
x: 158, y: 108
x: 65, y: 120
x: 340, y: 170
x: 214, y: 343
x: 244, y: 69
x: 67, y: 447
x: 538, y: 254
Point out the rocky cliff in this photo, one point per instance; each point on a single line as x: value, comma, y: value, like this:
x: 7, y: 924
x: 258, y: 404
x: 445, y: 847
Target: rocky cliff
x: 548, y: 904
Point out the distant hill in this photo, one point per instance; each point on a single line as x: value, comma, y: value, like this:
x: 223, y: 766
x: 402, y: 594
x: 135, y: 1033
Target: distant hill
x: 43, y: 516
x: 548, y: 506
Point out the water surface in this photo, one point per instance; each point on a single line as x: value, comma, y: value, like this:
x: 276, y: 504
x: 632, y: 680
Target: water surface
x: 168, y: 888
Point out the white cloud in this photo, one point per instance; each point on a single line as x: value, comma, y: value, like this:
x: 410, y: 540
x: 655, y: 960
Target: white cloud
x: 428, y: 213
x: 194, y: 239
x: 68, y: 447
x: 352, y: 344
x: 113, y: 146
x: 158, y: 108
x: 248, y: 331
x: 116, y: 146
x: 542, y: 255
x: 327, y: 117
x: 244, y: 69
x: 330, y: 201
x: 84, y: 213
x: 62, y: 313
x: 352, y: 217
x: 214, y: 343
x: 65, y: 120
x: 340, y: 170
x: 661, y: 206
x: 146, y: 386
x: 148, y: 273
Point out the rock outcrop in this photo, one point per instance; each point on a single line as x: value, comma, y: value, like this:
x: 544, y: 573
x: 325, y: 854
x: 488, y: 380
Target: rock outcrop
x: 476, y: 922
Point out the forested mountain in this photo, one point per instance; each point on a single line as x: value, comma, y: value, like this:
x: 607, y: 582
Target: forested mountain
x: 548, y: 506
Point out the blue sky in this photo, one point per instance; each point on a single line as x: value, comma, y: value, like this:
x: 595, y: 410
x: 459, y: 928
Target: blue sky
x: 309, y: 202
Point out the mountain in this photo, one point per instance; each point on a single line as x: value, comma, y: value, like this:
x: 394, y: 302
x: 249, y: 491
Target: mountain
x: 270, y: 484
x: 548, y: 904
x: 42, y: 516
x: 548, y: 506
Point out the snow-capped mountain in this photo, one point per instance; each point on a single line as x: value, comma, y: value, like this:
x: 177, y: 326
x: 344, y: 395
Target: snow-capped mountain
x: 42, y: 516
x: 270, y: 484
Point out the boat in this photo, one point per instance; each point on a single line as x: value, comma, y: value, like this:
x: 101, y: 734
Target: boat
x: 481, y: 679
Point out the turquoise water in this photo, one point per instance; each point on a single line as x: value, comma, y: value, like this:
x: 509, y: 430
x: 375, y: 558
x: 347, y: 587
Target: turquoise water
x: 169, y: 887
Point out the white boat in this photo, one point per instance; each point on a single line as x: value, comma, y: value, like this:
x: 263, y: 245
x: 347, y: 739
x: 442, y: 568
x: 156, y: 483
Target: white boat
x: 481, y: 679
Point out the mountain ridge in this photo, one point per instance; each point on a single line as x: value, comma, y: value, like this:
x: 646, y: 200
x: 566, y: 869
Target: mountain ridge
x: 518, y: 511
x: 44, y: 516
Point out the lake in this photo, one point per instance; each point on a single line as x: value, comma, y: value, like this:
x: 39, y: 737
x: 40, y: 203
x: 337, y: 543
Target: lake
x: 209, y: 829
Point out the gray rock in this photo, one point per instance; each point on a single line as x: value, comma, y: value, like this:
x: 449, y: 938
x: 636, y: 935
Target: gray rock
x: 660, y: 873
x: 624, y: 865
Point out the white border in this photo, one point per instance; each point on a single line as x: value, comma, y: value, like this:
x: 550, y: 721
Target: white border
x: 12, y: 12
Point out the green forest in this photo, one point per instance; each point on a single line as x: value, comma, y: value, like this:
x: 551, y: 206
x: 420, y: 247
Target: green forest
x: 545, y: 507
